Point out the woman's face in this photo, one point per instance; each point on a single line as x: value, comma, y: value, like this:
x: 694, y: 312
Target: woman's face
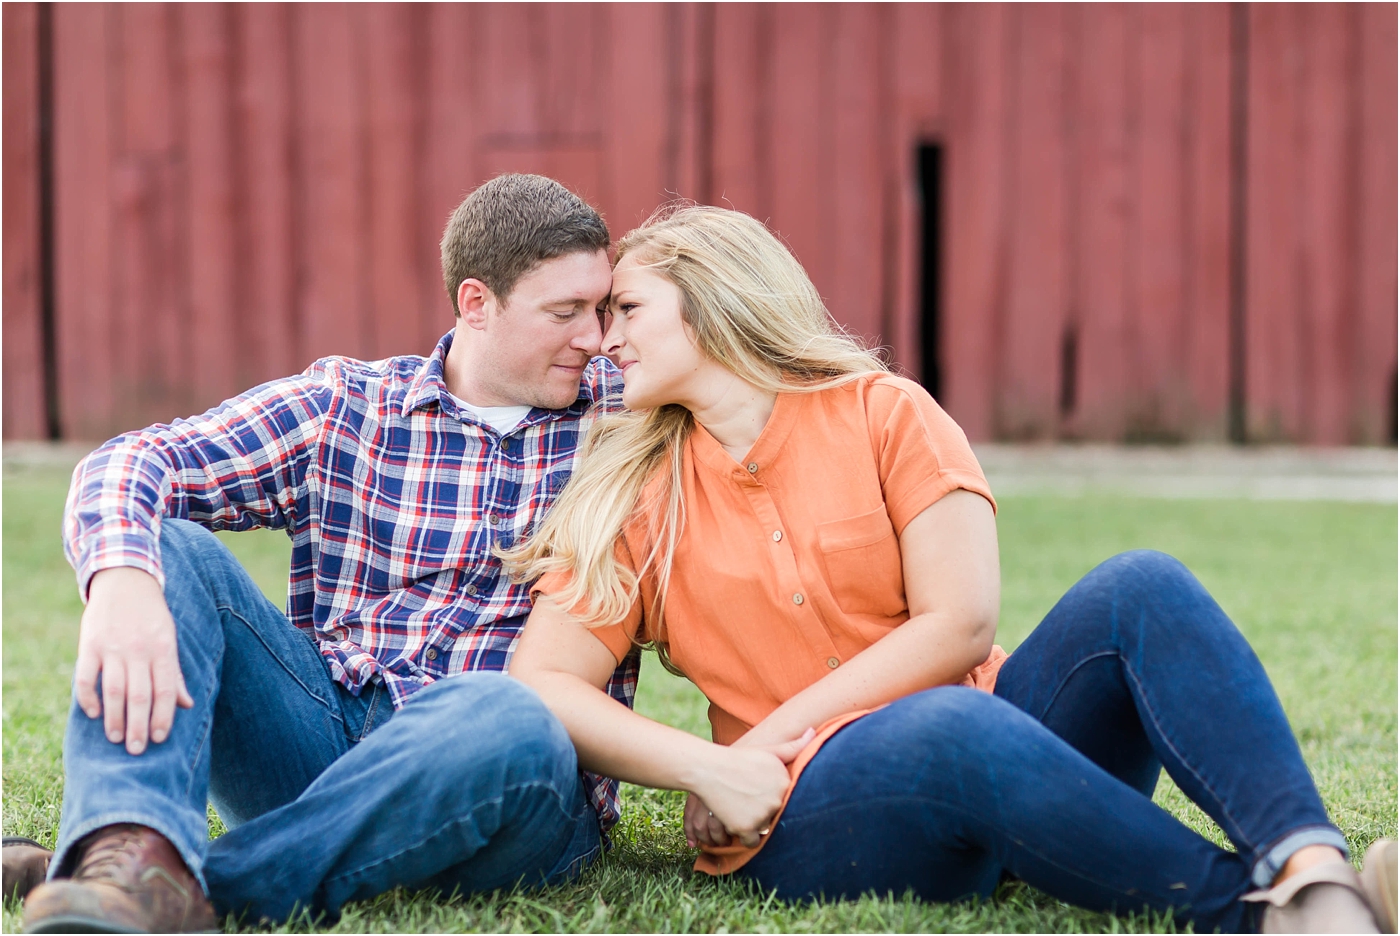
x: 650, y: 342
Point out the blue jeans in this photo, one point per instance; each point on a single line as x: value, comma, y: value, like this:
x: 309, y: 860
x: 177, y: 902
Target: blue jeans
x: 471, y: 786
x: 1051, y: 778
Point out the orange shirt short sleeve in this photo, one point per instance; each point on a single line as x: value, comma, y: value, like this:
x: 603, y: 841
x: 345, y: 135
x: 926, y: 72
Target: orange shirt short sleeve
x: 618, y: 638
x: 921, y: 452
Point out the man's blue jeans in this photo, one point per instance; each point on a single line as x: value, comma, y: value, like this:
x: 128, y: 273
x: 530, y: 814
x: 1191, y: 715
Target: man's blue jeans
x: 1051, y: 778
x: 471, y: 786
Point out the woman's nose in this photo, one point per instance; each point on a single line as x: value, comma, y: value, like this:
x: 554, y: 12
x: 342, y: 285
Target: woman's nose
x: 613, y: 339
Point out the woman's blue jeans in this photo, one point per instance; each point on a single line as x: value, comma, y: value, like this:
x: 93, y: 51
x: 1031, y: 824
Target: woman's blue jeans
x: 329, y: 797
x: 1050, y: 779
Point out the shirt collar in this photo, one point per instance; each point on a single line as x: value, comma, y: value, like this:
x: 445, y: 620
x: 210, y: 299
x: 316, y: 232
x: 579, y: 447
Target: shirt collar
x: 429, y: 386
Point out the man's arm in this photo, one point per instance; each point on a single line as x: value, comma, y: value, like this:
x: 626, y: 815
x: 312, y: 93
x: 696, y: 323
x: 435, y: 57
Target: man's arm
x: 239, y: 466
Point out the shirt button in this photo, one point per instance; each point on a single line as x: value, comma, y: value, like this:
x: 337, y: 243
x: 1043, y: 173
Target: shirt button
x: 752, y: 466
x: 797, y: 598
x: 432, y: 653
x: 494, y: 519
x: 833, y: 662
x: 777, y: 535
x: 471, y: 589
x: 505, y: 445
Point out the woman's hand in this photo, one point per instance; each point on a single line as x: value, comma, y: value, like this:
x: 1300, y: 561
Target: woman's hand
x: 741, y: 794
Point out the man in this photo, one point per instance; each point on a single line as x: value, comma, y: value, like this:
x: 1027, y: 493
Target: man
x: 352, y: 744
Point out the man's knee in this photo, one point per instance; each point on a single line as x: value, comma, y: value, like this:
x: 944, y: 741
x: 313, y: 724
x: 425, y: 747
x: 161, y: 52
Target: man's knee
x: 191, y: 556
x: 491, y: 720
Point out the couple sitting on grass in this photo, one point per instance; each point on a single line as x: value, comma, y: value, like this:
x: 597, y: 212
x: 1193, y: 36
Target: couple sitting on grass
x: 806, y: 536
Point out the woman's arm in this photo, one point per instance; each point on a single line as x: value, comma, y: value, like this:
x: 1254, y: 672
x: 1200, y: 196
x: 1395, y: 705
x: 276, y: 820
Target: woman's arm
x: 568, y: 666
x: 952, y: 582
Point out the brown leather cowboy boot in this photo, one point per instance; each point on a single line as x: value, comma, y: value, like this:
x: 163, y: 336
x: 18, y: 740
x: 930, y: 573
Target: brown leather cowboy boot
x: 25, y: 864
x: 130, y: 879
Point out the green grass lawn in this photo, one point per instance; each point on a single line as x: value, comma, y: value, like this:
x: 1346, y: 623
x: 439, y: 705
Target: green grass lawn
x: 1313, y: 587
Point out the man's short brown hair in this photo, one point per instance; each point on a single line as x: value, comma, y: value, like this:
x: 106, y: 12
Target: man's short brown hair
x: 511, y: 224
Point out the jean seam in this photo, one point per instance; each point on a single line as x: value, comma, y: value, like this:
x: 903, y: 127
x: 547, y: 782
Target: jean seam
x: 1055, y: 696
x: 205, y: 730
x: 330, y: 709
x: 496, y: 800
x: 955, y: 808
x: 1237, y: 836
x: 375, y: 695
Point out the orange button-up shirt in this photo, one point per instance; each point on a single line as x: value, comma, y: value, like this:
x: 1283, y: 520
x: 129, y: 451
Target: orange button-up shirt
x: 788, y: 563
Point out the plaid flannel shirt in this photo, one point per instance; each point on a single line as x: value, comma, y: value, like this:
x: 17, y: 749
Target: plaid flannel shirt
x: 393, y: 498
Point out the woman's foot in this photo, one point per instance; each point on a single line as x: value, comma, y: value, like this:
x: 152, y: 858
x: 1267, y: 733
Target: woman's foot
x: 1325, y: 896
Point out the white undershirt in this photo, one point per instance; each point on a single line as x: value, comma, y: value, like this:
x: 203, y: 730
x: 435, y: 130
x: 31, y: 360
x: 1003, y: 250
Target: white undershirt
x: 501, y: 418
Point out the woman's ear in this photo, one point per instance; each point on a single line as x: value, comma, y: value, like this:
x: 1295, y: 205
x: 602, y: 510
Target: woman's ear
x: 473, y: 299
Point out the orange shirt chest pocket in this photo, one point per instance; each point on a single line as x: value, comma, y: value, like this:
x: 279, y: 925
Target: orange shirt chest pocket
x: 863, y: 564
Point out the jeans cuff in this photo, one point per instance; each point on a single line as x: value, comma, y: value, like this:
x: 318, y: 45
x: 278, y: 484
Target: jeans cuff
x: 62, y: 864
x: 1267, y: 867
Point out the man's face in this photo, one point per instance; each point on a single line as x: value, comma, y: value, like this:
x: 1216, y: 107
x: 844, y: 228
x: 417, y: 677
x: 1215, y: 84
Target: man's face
x: 539, y: 340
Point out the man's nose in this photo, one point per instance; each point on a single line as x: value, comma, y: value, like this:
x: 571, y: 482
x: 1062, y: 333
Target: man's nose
x: 589, y: 336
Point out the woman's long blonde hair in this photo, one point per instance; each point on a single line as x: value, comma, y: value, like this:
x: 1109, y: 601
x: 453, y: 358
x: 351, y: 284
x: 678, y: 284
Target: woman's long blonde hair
x: 751, y: 308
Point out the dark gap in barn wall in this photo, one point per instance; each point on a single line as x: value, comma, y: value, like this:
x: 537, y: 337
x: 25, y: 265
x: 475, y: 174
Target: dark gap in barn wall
x: 930, y: 161
x: 1239, y: 161
x: 1069, y: 370
x: 48, y: 321
x: 1393, y: 416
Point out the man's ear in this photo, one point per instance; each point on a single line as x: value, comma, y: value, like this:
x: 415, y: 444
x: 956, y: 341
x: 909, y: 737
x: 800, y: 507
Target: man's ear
x: 473, y: 300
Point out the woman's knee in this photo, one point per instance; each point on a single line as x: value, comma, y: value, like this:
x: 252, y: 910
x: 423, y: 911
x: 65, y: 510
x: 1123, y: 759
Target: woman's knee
x: 952, y: 720
x: 1143, y: 594
x: 1144, y: 573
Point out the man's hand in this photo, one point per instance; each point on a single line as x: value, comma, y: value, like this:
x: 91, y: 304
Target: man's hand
x: 128, y: 636
x: 742, y: 797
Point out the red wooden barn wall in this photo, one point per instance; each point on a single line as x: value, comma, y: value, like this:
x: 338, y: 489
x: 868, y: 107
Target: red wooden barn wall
x: 240, y: 189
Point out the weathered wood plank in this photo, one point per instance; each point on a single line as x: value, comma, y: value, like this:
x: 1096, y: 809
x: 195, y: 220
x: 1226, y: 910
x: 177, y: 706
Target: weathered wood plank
x: 25, y: 410
x: 1103, y: 210
x: 83, y: 222
x: 271, y: 240
x: 1372, y: 404
x: 1035, y: 311
x: 977, y: 50
x: 1206, y: 253
x: 1275, y: 381
x: 212, y: 214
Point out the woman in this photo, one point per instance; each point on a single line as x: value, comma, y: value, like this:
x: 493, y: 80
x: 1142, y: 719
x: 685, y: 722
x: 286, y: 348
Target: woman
x: 811, y: 541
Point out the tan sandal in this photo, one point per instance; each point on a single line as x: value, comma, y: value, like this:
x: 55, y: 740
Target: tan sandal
x: 1326, y: 898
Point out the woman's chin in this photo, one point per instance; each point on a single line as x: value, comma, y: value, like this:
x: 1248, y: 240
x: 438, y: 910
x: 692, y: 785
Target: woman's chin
x: 635, y: 399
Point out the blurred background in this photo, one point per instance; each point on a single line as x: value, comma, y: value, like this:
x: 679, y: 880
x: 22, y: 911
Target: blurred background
x: 1121, y: 223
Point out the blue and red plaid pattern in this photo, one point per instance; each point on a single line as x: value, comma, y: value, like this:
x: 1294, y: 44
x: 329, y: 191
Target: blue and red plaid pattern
x: 393, y: 498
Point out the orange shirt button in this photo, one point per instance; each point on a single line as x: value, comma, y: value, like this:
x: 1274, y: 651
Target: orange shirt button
x: 753, y: 466
x: 833, y: 662
x: 777, y: 535
x: 797, y: 598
